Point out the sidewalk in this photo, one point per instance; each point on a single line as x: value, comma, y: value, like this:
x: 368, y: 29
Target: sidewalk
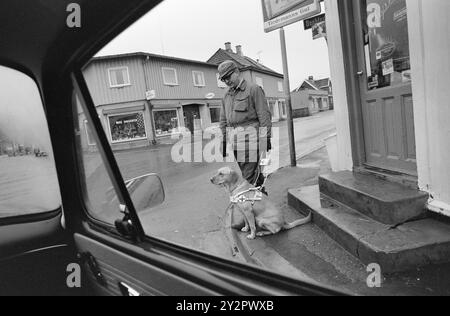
x: 308, y: 253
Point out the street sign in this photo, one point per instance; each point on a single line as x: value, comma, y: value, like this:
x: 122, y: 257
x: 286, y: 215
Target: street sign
x: 279, y: 13
x: 210, y: 96
x: 150, y: 95
x: 308, y: 23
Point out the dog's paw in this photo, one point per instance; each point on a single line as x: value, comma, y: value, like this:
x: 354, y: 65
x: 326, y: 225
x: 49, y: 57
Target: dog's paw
x: 245, y: 229
x: 251, y: 236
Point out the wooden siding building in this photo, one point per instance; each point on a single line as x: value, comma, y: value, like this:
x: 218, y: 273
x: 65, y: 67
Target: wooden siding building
x: 142, y: 97
x: 311, y: 97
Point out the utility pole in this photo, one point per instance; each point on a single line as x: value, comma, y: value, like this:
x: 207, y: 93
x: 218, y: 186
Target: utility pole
x: 287, y: 90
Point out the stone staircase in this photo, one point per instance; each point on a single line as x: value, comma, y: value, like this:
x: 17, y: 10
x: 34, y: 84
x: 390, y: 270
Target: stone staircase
x: 375, y: 220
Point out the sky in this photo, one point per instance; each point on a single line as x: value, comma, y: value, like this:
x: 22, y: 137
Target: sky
x: 196, y: 29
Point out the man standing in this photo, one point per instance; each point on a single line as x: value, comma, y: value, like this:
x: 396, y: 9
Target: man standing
x: 245, y: 119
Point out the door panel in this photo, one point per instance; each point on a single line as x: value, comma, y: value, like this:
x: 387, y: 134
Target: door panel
x: 118, y: 268
x: 385, y: 85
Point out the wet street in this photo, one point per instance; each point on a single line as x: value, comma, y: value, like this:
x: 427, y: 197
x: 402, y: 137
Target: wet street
x: 27, y: 185
x: 192, y: 212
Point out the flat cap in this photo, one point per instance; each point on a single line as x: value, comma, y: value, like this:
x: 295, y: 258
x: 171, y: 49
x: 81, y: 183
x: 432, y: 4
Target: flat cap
x: 226, y: 68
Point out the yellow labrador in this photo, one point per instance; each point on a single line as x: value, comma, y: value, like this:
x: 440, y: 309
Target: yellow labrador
x: 257, y: 210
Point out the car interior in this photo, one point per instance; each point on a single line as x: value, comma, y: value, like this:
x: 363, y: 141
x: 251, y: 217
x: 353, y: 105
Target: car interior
x: 40, y: 253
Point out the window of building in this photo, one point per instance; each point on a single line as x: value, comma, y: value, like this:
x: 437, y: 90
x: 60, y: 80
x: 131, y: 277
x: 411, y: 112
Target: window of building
x: 199, y: 78
x: 283, y: 108
x: 271, y: 105
x: 127, y: 127
x: 29, y: 183
x: 119, y: 77
x: 259, y: 82
x: 166, y: 122
x: 215, y: 114
x: 280, y: 87
x: 170, y: 76
x: 220, y: 83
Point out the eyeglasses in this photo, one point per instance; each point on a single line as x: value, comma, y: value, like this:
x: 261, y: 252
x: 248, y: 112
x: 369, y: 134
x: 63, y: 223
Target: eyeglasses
x: 227, y: 77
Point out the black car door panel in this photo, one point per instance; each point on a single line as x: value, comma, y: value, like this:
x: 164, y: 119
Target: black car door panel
x: 119, y: 271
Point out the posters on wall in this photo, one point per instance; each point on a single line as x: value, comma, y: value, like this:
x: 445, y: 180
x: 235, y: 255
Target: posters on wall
x: 387, y: 43
x: 319, y: 30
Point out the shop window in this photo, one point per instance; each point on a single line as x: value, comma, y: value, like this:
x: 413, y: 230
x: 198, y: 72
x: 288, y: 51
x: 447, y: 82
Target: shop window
x: 386, y: 43
x: 215, y: 114
x: 127, y: 127
x: 170, y: 76
x: 166, y: 122
x: 28, y: 180
x: 118, y: 77
x: 199, y: 78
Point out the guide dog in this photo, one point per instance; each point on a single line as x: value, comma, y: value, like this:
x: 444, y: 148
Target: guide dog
x: 257, y: 210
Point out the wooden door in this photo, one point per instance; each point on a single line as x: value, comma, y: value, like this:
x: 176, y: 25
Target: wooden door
x: 191, y: 117
x: 385, y: 84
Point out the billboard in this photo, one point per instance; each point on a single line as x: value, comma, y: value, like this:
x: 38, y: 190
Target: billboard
x: 279, y: 13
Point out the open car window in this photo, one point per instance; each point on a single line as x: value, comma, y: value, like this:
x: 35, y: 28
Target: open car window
x: 28, y: 181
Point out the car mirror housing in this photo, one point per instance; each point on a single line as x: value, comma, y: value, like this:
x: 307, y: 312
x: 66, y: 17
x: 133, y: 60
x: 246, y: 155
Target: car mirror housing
x: 146, y: 191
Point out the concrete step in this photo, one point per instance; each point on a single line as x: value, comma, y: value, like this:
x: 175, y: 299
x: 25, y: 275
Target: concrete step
x: 402, y: 248
x: 386, y: 202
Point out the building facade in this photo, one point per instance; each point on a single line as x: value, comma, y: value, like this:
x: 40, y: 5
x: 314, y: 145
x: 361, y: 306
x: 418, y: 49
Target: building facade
x: 311, y: 97
x: 142, y: 97
x: 268, y: 79
x: 389, y: 65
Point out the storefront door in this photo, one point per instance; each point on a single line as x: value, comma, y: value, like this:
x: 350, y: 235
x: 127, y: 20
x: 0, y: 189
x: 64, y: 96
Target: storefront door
x: 385, y: 84
x: 192, y: 117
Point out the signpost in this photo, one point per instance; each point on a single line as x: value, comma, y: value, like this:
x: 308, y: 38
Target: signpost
x: 277, y: 14
x: 280, y: 13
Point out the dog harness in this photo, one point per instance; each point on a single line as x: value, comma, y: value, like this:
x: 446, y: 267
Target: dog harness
x: 241, y: 198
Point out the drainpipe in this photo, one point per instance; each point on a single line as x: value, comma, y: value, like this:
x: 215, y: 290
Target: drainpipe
x: 150, y: 105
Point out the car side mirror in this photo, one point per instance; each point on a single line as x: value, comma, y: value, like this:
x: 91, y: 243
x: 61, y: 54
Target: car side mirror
x: 146, y: 191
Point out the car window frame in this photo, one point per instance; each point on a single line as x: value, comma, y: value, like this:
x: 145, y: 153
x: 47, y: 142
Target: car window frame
x: 81, y: 91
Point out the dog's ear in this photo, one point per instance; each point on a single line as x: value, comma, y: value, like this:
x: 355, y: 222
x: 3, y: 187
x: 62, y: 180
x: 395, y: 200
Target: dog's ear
x: 234, y: 177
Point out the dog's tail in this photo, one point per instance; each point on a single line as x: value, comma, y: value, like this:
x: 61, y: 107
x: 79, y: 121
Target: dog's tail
x: 297, y: 223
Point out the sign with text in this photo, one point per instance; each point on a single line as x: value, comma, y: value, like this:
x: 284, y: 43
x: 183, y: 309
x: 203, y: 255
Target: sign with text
x: 279, y: 13
x: 309, y: 23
